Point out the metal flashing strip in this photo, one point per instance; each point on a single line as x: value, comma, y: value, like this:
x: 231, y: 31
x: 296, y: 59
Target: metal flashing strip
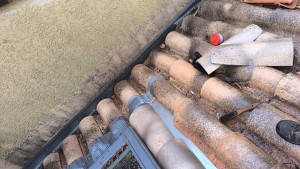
x: 151, y: 81
x: 167, y: 117
x: 251, y: 66
x: 55, y: 143
x: 139, y: 100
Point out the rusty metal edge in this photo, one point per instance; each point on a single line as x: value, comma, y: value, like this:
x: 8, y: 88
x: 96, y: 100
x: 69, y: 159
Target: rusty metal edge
x: 105, y: 92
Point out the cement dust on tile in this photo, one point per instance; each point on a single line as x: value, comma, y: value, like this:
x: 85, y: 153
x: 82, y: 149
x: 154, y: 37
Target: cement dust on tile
x: 49, y: 48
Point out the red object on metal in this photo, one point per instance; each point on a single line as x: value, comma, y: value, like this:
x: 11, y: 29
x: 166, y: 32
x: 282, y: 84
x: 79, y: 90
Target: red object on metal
x: 216, y: 39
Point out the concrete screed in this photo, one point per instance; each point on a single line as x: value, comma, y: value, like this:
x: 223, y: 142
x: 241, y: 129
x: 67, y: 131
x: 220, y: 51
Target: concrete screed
x: 50, y: 48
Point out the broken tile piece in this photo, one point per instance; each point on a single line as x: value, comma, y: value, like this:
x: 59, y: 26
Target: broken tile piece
x: 276, y: 52
x: 249, y: 34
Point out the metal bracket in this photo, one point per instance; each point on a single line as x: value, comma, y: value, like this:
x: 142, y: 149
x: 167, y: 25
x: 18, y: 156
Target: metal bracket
x: 139, y: 100
x: 251, y: 66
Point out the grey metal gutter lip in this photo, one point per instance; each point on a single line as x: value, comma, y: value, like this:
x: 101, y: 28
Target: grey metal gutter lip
x: 106, y: 91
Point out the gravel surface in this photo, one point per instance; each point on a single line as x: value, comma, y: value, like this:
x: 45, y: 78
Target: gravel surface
x: 50, y: 48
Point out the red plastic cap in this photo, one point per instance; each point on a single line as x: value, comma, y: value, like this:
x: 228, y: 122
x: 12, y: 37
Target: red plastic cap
x: 216, y: 39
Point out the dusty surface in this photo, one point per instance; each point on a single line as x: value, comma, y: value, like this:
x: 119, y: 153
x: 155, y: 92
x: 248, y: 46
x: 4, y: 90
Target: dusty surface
x: 108, y: 111
x: 52, y: 161
x: 71, y: 148
x: 49, y: 48
x: 89, y: 129
x: 237, y: 126
x: 6, y: 165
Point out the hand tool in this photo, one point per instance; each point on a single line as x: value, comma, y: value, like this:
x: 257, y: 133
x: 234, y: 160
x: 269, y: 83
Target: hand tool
x: 238, y: 112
